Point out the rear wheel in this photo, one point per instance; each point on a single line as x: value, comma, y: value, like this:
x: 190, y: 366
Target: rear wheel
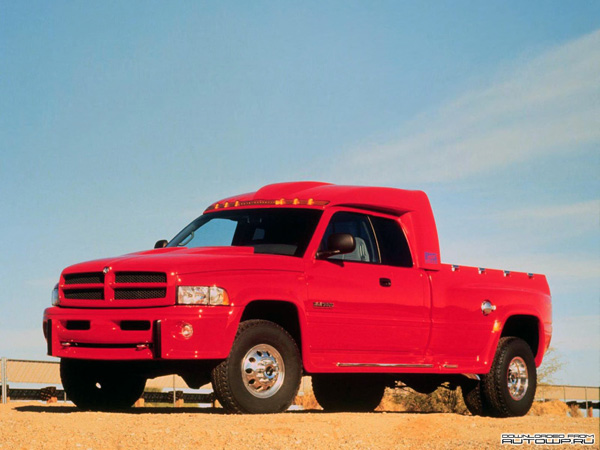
x: 263, y: 371
x: 475, y: 400
x: 94, y: 385
x: 348, y: 392
x: 510, y: 386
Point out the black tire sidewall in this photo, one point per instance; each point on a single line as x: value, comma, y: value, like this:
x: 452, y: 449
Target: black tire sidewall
x: 119, y: 389
x: 348, y: 392
x: 475, y: 399
x: 79, y: 382
x: 497, y: 385
x: 256, y: 333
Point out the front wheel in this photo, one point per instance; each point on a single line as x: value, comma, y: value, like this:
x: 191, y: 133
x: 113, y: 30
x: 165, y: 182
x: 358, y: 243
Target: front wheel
x: 262, y: 373
x: 100, y: 386
x: 510, y: 385
x: 348, y: 392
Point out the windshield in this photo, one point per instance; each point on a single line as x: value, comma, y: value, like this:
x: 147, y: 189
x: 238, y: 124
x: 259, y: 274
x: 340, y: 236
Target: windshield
x: 283, y: 231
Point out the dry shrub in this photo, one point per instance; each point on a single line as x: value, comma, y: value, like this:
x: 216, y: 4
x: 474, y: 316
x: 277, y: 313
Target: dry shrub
x: 389, y: 402
x: 401, y: 399
x: 442, y: 400
x: 307, y: 401
x: 574, y: 411
x: 550, y: 408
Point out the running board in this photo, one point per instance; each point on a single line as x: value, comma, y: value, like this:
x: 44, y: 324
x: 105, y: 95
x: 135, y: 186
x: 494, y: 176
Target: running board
x: 414, y: 366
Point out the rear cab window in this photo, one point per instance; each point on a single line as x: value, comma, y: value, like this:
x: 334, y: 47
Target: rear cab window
x: 393, y: 245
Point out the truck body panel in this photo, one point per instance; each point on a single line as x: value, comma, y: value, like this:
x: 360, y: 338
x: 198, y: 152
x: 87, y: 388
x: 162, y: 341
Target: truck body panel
x: 352, y: 316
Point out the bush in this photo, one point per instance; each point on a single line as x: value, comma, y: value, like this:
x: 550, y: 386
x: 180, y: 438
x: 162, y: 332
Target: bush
x: 552, y: 363
x: 402, y: 398
x: 442, y: 400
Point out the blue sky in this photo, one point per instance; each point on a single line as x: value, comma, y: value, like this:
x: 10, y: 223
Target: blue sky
x: 121, y: 121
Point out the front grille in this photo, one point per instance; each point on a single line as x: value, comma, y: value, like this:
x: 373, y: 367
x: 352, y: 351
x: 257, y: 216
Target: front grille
x: 140, y: 277
x: 84, y: 294
x: 85, y: 278
x: 131, y: 285
x: 139, y: 294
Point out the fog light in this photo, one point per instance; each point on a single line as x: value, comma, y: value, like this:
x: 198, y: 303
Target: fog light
x: 186, y: 330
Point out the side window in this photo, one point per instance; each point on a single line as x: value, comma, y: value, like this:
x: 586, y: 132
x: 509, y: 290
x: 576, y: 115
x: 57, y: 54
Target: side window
x: 392, y: 242
x: 357, y: 225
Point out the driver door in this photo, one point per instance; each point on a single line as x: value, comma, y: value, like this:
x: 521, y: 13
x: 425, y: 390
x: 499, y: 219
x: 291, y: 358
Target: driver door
x: 361, y: 311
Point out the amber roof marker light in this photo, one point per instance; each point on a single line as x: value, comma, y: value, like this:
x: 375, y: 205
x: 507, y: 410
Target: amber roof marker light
x: 267, y: 202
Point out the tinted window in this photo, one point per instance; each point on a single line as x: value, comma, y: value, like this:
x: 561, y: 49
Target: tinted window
x: 392, y: 242
x: 283, y: 231
x: 357, y: 225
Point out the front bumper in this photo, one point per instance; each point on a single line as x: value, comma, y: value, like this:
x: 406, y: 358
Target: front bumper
x: 140, y: 333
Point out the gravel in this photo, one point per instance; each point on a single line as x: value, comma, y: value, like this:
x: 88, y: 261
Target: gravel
x: 37, y: 425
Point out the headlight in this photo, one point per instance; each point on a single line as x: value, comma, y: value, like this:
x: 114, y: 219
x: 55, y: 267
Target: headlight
x: 55, y: 295
x: 202, y: 295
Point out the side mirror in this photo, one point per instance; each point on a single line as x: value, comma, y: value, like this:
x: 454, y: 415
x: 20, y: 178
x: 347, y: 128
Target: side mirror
x: 161, y: 244
x: 338, y: 244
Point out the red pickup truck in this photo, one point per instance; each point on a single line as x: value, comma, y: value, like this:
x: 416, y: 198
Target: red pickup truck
x: 342, y: 283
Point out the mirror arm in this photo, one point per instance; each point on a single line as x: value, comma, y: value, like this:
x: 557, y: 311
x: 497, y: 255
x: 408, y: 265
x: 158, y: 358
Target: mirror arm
x: 327, y: 253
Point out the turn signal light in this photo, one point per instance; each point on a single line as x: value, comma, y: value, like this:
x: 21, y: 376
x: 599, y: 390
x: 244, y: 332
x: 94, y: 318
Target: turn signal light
x: 497, y: 326
x: 278, y: 202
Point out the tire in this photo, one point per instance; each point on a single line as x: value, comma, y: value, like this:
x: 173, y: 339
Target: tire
x: 92, y: 385
x: 475, y: 399
x: 348, y: 392
x: 510, y: 386
x: 262, y: 373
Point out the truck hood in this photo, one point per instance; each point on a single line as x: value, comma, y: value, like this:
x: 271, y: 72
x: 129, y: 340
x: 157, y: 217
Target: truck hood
x: 182, y: 260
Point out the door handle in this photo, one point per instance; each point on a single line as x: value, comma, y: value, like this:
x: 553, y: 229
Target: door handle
x: 385, y: 282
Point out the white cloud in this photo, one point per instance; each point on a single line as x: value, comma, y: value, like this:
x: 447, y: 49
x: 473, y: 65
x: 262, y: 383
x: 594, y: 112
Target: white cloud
x: 548, y: 105
x: 534, y: 239
x: 546, y: 226
x: 577, y: 211
x: 568, y: 266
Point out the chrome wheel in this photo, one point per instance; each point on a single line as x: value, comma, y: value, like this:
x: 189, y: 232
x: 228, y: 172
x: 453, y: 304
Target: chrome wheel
x: 263, y: 371
x: 509, y: 387
x: 517, y: 378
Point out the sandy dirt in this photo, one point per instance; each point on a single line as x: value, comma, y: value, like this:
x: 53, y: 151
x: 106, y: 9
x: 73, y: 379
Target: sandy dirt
x: 37, y: 425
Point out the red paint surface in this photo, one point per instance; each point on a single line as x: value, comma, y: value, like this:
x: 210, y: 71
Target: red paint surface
x: 431, y: 314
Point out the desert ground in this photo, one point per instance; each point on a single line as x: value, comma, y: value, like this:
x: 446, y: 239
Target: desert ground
x: 36, y: 425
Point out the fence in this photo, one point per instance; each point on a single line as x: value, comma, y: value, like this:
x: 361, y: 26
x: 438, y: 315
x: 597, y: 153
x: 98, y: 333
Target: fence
x: 48, y: 372
x: 587, y: 397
